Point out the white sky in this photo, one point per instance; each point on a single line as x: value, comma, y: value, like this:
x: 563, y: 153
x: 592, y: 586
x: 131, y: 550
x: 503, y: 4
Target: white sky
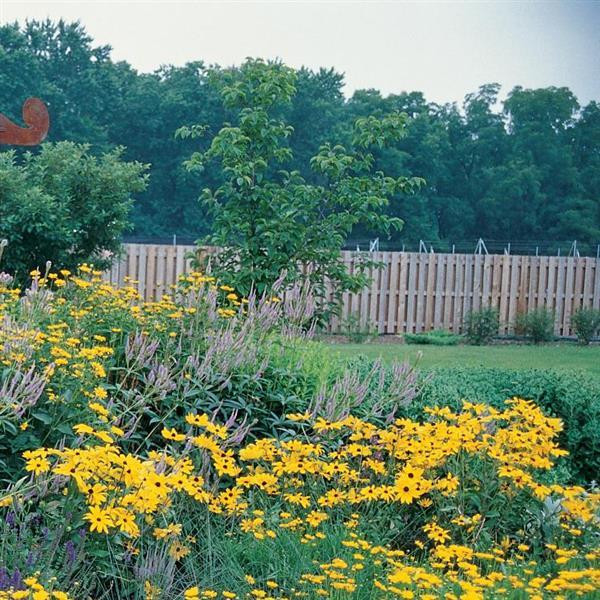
x: 445, y: 49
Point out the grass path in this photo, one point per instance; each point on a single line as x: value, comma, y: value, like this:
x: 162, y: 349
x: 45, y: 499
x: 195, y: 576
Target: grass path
x: 556, y: 356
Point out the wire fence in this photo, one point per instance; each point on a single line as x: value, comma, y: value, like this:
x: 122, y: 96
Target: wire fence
x: 483, y: 246
x: 473, y: 246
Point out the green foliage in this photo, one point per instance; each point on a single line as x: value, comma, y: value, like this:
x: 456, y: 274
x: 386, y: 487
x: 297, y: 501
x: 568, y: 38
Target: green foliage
x: 586, y: 322
x: 271, y: 222
x: 356, y: 330
x: 64, y: 205
x: 437, y: 337
x: 536, y: 325
x: 571, y: 396
x: 481, y: 325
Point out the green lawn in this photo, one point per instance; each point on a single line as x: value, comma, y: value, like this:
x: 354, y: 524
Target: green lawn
x: 556, y: 356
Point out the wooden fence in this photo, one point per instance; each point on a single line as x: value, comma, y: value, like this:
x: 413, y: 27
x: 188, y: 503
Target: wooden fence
x: 414, y: 291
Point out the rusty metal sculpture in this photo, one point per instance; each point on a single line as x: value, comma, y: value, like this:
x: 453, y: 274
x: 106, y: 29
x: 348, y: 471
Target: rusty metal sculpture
x: 35, y: 116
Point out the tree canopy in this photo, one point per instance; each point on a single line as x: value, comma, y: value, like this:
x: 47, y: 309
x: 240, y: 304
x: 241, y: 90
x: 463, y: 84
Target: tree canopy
x: 527, y: 167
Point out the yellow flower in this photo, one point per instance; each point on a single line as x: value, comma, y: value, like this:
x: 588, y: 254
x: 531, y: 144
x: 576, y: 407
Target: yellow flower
x: 100, y: 520
x: 178, y: 550
x: 172, y: 434
x: 192, y: 593
x: 37, y: 465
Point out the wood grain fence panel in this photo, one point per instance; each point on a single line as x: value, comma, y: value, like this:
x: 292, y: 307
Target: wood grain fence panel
x: 496, y: 282
x: 393, y: 292
x: 551, y: 293
x: 132, y: 259
x: 161, y: 257
x: 513, y: 291
x: 402, y: 324
x: 542, y: 282
x: 440, y: 274
x: 486, y: 281
x: 421, y: 299
x: 530, y: 283
x: 467, y: 288
x: 523, y: 289
x: 150, y: 275
x: 447, y: 318
x: 170, y: 268
x: 596, y: 297
x: 505, y: 292
x: 429, y: 296
x: 561, y: 268
x: 413, y: 291
x: 383, y: 292
x: 569, y: 296
x: 458, y: 292
x: 578, y: 286
x: 588, y: 282
x: 477, y: 291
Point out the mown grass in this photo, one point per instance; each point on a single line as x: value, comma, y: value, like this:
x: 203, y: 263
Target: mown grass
x: 510, y: 356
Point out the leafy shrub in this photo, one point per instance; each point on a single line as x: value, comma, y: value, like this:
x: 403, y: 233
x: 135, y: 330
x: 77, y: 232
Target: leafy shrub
x: 437, y: 337
x: 64, y: 205
x: 586, y: 323
x: 356, y: 331
x: 538, y: 325
x: 481, y: 326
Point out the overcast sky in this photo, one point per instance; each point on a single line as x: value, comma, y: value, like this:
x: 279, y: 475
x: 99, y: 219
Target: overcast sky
x: 445, y: 49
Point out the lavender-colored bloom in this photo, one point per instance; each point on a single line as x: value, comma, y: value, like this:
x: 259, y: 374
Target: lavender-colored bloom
x: 70, y: 553
x: 4, y: 579
x: 160, y: 380
x: 6, y: 279
x: 11, y: 518
x: 22, y: 390
x: 16, y: 580
x: 140, y: 349
x: 389, y: 389
x: 29, y: 562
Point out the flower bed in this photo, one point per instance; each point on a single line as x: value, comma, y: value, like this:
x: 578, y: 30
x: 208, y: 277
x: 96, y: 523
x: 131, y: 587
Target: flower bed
x: 179, y: 449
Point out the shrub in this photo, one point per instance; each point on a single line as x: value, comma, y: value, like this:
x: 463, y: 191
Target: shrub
x: 537, y: 325
x: 586, y: 323
x: 356, y: 331
x: 437, y: 337
x: 481, y: 325
x: 64, y: 205
x: 153, y: 455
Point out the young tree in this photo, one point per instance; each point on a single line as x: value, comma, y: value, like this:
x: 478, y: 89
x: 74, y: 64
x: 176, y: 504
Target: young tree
x: 64, y: 205
x: 269, y: 221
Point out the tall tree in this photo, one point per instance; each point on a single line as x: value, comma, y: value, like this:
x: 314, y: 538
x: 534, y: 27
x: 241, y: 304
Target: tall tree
x: 270, y: 222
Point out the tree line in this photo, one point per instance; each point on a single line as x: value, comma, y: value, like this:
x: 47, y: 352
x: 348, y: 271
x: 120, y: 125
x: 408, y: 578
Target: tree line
x: 524, y: 168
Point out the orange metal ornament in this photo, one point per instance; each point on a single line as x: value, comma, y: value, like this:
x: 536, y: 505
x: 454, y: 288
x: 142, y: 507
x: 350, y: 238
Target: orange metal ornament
x: 35, y: 116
